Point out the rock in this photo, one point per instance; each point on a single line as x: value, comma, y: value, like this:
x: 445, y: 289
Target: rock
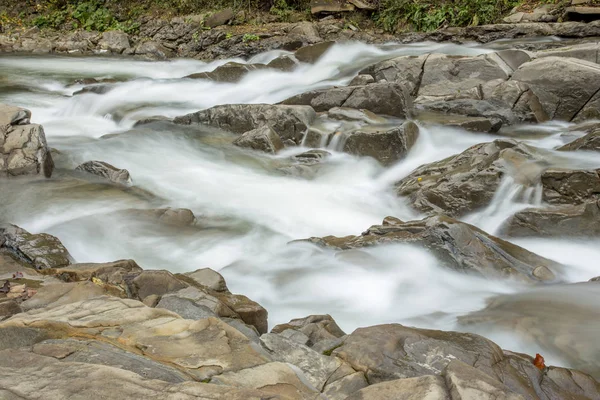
x: 273, y: 377
x: 352, y: 114
x: 153, y: 50
x: 220, y: 18
x: 111, y: 273
x: 249, y: 311
x: 317, y: 368
x: 209, y: 278
x: 582, y: 13
x: 380, y: 98
x: 58, y: 294
x: 330, y: 6
x: 458, y: 246
x: 445, y: 75
x: 466, y: 182
x: 584, y: 51
x: 263, y: 139
x: 316, y: 328
x: 93, y: 352
x: 472, y: 124
x: 8, y: 308
x: 424, y: 387
x: 563, y: 186
x: 23, y: 147
x: 180, y: 217
x: 231, y: 72
x: 404, y: 69
x: 312, y: 53
x: 394, y: 353
x: 591, y: 141
x: 306, y: 31
x: 202, y: 300
x: 187, y: 308
x: 527, y: 316
x: 466, y: 382
x: 361, y: 80
x: 563, y: 85
x: 155, y: 282
x: 40, y: 251
x: 556, y: 221
x: 57, y: 379
x: 200, y: 348
x: 386, y: 146
x: 114, y: 41
x: 290, y: 122
x: 283, y: 63
x: 106, y: 171
x: 150, y: 120
x: 312, y: 156
x: 342, y: 388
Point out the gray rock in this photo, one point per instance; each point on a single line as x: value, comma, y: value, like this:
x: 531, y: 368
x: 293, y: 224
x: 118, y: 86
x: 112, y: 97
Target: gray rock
x: 290, y: 122
x: 106, y: 171
x: 466, y: 382
x: 322, y: 100
x: 584, y: 51
x: 564, y: 186
x: 557, y: 221
x: 220, y: 18
x: 263, y: 139
x: 317, y: 328
x: 283, y: 63
x: 312, y: 53
x: 590, y: 141
x: 40, y: 251
x: 93, y: 352
x: 181, y: 217
x: 187, y: 308
x: 114, y: 41
x: 23, y: 147
x: 458, y: 246
x: 361, y: 80
x: 153, y: 50
x: 231, y: 72
x: 155, y: 282
x: 466, y: 182
x: 342, y: 388
x: 209, y: 278
x: 352, y: 114
x: 406, y: 69
x: 317, y: 368
x: 386, y: 146
x: 473, y: 124
x: 424, y: 387
x: 563, y: 85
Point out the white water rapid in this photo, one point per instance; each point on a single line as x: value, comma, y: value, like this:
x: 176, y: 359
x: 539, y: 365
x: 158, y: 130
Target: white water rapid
x: 248, y: 208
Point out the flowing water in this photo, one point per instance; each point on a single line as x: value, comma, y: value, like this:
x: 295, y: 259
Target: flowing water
x: 248, y: 206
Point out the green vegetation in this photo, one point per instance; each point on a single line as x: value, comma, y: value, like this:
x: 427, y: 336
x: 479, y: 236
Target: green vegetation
x: 249, y: 37
x: 428, y: 15
x: 90, y: 15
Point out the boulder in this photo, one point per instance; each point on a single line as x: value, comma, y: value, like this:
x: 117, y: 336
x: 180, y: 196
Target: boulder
x: 111, y: 273
x: 466, y: 182
x: 231, y: 72
x: 330, y: 6
x: 23, y: 147
x: 458, y: 246
x: 445, y: 75
x: 380, y: 98
x: 155, y: 282
x: 208, y: 278
x: 472, y: 124
x: 153, y: 50
x: 408, y: 69
x: 290, y: 122
x: 590, y: 141
x: 565, y: 186
x: 114, y: 41
x: 582, y: 13
x: 423, y: 387
x: 250, y: 312
x: 306, y: 31
x: 361, y: 80
x: 386, y: 146
x: 106, y: 171
x: 263, y: 139
x: 583, y: 51
x: 436, y: 360
x: 312, y: 53
x: 556, y: 221
x: 316, y: 328
x: 219, y: 18
x: 283, y: 63
x: 40, y: 251
x: 564, y: 86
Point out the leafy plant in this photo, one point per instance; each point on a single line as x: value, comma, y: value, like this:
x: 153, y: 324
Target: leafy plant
x: 281, y: 9
x: 250, y: 37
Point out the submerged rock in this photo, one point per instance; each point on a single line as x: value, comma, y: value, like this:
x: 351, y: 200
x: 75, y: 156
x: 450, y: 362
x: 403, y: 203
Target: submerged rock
x: 290, y: 122
x: 231, y: 72
x: 590, y: 141
x: 23, y: 147
x: 107, y: 171
x: 459, y: 246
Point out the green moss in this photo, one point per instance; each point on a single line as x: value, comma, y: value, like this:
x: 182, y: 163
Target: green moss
x: 330, y: 351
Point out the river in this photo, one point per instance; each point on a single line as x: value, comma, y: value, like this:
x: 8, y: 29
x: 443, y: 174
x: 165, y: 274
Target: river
x: 249, y: 209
